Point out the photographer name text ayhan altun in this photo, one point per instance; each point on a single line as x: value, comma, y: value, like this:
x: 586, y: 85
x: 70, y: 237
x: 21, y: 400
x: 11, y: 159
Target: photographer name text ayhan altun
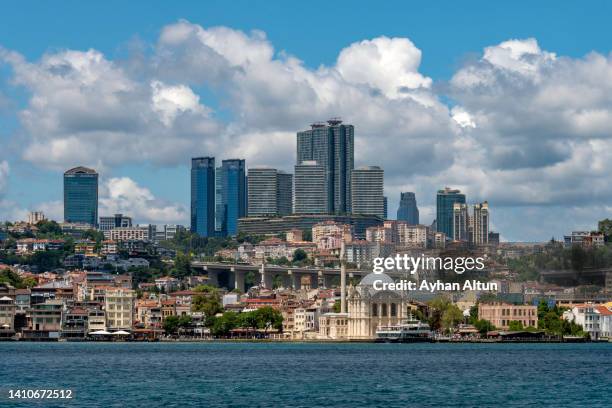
x: 436, y: 286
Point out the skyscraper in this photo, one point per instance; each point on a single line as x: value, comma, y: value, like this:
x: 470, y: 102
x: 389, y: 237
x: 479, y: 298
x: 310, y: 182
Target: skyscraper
x: 270, y: 192
x: 408, y: 210
x: 461, y: 221
x: 233, y: 194
x: 81, y: 196
x: 310, y: 192
x: 203, y: 196
x: 367, y: 185
x: 331, y: 145
x: 479, y: 224
x: 444, y: 209
x: 284, y: 197
x: 386, y: 207
x: 218, y: 200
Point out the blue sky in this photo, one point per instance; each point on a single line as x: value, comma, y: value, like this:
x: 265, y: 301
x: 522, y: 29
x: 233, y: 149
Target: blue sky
x: 450, y: 35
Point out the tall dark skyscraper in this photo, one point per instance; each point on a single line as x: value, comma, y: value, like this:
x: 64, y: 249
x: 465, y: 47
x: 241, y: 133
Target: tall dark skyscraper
x: 445, y: 201
x: 203, y: 196
x: 408, y: 210
x: 81, y: 196
x: 331, y: 145
x: 233, y: 195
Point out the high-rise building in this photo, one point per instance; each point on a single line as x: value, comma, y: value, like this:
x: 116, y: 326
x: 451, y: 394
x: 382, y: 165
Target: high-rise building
x: 367, y: 185
x: 331, y: 145
x: 203, y: 196
x: 310, y: 192
x: 386, y: 207
x: 81, y: 196
x: 218, y: 200
x: 233, y: 194
x: 270, y: 192
x: 115, y: 221
x: 479, y: 224
x: 461, y: 222
x: 284, y: 197
x: 444, y: 209
x: 408, y: 210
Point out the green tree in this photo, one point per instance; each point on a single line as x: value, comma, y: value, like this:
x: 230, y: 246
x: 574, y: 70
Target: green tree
x: 49, y: 228
x: 484, y: 326
x: 207, y: 301
x: 515, y: 325
x: 451, y: 317
x: 605, y: 227
x: 171, y: 324
x: 299, y: 255
x: 224, y: 324
x: 182, y: 266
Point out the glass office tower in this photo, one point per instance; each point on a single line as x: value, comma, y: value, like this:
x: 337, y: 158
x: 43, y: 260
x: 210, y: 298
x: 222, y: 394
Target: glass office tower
x: 331, y: 145
x: 445, y: 201
x: 81, y: 196
x: 408, y: 210
x: 203, y: 196
x: 233, y: 195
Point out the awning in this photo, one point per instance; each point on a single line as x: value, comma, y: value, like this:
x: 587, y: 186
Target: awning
x: 100, y: 332
x: 121, y: 333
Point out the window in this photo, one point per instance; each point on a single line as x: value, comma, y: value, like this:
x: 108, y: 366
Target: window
x: 393, y: 309
x: 374, y: 309
x: 384, y: 310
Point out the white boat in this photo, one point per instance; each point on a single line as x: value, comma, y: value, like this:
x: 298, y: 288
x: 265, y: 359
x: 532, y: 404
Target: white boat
x: 411, y: 330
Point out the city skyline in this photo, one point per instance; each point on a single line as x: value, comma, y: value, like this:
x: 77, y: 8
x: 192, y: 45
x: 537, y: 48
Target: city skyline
x: 426, y: 113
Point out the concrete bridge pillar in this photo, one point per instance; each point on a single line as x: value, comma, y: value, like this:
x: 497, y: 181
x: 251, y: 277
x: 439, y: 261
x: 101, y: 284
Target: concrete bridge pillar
x: 328, y: 281
x: 239, y: 280
x: 213, y: 277
x: 266, y: 278
x: 296, y: 282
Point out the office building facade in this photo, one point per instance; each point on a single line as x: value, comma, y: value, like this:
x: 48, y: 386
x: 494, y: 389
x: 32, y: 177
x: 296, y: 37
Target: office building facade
x: 81, y: 196
x: 461, y: 221
x: 310, y: 191
x: 331, y: 145
x: 408, y: 210
x: 445, y: 202
x: 270, y: 192
x: 203, y: 196
x: 233, y: 195
x: 367, y: 185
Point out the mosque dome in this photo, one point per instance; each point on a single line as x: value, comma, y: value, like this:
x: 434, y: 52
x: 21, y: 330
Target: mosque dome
x: 370, y: 278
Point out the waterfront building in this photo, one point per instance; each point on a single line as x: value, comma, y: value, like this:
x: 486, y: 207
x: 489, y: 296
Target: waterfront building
x: 119, y: 308
x: 333, y: 326
x: 270, y: 192
x: 306, y: 319
x: 46, y: 320
x: 479, y: 224
x: 408, y: 210
x: 501, y: 314
x: 330, y: 145
x: 233, y: 195
x: 445, y: 201
x: 367, y: 185
x: 81, y: 196
x: 278, y: 225
x: 7, y: 316
x: 311, y: 194
x: 34, y: 217
x: 369, y: 308
x: 461, y: 220
x: 203, y: 196
x: 115, y: 221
